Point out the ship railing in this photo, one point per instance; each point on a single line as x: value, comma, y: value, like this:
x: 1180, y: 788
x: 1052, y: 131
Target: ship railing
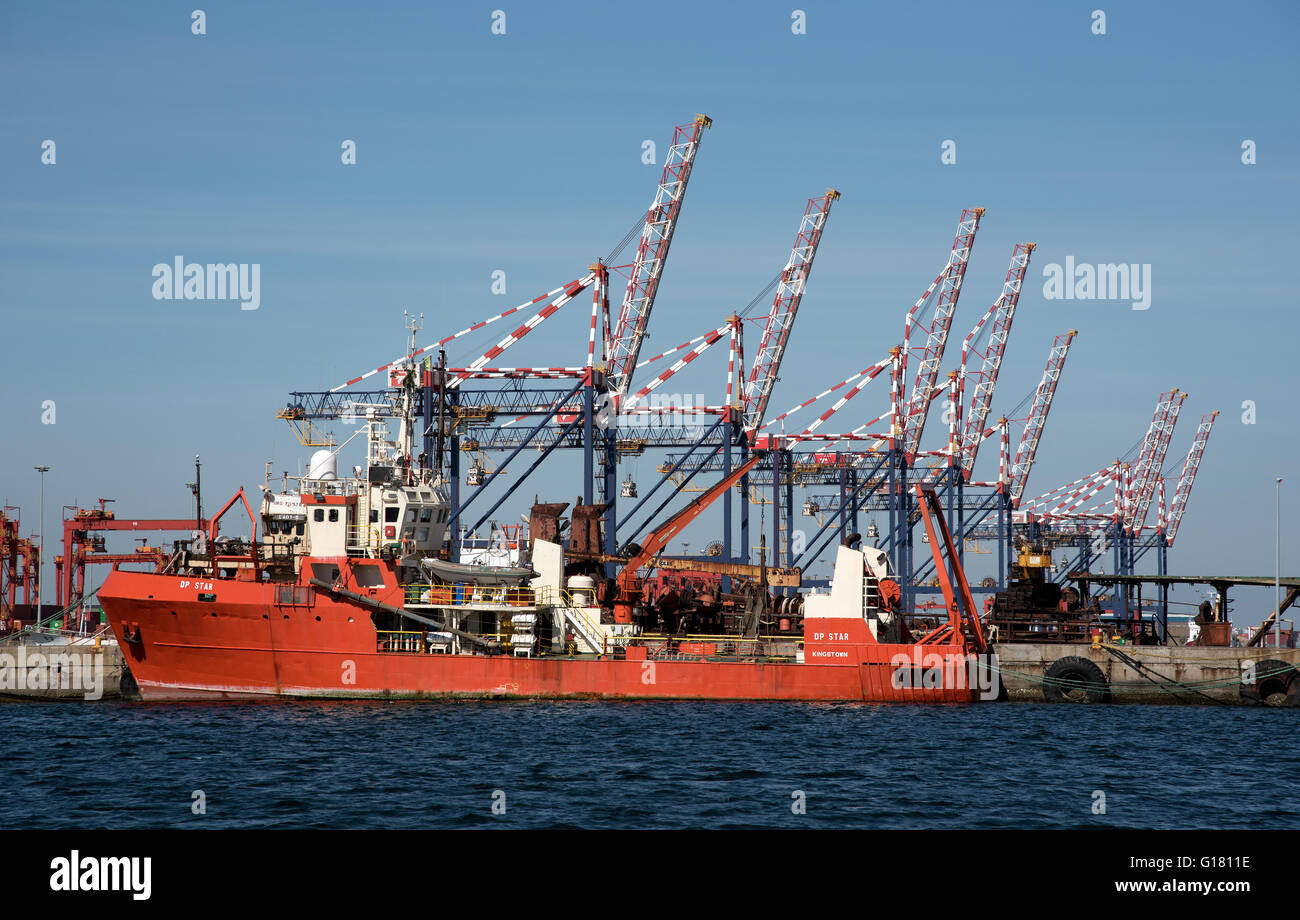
x: 406, y: 641
x: 174, y: 560
x: 717, y: 646
x: 577, y: 607
x: 363, y: 537
x: 327, y: 486
x: 1044, y: 629
x: 47, y: 625
x: 515, y: 598
x: 277, y: 554
x: 472, y: 597
x: 399, y: 640
x: 73, y: 636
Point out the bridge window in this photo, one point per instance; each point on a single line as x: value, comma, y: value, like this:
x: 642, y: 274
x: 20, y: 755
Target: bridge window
x: 319, y: 515
x: 390, y: 515
x: 334, y: 515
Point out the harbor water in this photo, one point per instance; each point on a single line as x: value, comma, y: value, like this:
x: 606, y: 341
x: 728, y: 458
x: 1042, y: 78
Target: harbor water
x: 545, y: 764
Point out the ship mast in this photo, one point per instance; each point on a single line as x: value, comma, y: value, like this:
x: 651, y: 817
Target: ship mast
x: 406, y: 433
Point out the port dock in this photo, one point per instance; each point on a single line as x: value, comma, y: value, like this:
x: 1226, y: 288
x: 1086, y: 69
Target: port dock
x: 1156, y: 674
x: 52, y: 666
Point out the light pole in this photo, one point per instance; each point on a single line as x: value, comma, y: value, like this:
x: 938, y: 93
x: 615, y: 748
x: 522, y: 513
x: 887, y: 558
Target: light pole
x: 40, y: 566
x: 1277, y: 566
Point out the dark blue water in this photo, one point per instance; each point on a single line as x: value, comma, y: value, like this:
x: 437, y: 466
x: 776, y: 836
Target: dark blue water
x: 646, y: 765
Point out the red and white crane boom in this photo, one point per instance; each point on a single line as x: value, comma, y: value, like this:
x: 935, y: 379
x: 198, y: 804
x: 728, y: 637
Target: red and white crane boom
x: 1027, y: 449
x: 1154, y: 447
x: 1190, y: 466
x: 651, y: 254
x: 930, y: 356
x: 998, y: 320
x: 780, y: 320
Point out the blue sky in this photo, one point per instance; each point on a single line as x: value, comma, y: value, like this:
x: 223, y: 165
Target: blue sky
x: 522, y: 152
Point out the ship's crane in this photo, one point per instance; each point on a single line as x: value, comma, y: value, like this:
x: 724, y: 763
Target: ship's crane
x: 963, y: 616
x: 998, y: 319
x: 1027, y: 449
x: 930, y: 356
x: 1188, y: 477
x: 780, y: 321
x: 629, y: 585
x: 1154, y: 447
x: 651, y: 254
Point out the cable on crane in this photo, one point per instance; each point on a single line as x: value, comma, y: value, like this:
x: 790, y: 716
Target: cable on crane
x: 761, y: 296
x: 1022, y: 405
x: 628, y: 238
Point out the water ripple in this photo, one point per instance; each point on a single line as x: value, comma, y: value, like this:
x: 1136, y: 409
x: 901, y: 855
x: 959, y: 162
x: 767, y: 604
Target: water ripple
x: 638, y: 765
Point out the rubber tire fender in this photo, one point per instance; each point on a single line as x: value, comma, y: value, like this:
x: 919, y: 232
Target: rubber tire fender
x: 1279, y: 678
x: 1091, y: 684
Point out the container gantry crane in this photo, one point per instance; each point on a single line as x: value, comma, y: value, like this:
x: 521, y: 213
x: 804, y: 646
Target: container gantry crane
x: 1027, y: 449
x: 652, y: 252
x: 930, y: 355
x: 70, y: 567
x: 1013, y: 474
x: 785, y: 306
x: 1152, y: 458
x: 1193, y: 463
x: 998, y: 321
x: 19, y: 562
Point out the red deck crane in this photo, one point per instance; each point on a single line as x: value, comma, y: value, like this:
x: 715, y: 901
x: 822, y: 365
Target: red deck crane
x: 963, y: 615
x: 629, y: 584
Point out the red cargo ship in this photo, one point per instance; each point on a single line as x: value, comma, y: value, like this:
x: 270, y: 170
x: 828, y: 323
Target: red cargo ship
x: 344, y: 597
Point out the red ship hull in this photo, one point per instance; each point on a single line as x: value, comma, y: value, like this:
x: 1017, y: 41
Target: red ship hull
x: 187, y: 639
